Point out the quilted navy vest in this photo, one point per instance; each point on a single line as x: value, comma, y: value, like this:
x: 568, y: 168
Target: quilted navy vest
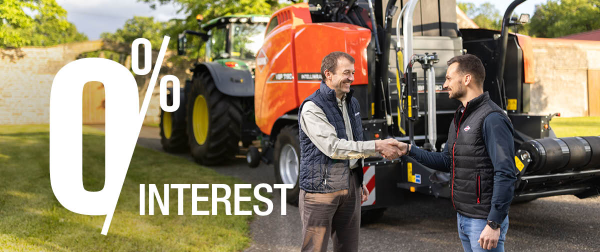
x: 318, y: 172
x: 472, y: 168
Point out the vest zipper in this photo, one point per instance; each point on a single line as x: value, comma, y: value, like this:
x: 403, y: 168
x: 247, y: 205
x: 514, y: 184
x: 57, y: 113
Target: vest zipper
x: 453, y: 150
x: 478, y: 188
x: 325, y: 183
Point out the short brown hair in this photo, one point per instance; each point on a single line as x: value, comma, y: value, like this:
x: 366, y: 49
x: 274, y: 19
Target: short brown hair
x: 330, y: 62
x: 469, y: 64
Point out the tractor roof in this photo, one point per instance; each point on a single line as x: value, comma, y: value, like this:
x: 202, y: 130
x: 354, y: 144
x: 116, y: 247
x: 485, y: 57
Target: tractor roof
x: 240, y: 19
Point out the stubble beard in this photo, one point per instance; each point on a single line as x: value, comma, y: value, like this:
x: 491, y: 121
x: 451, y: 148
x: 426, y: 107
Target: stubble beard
x: 458, y: 93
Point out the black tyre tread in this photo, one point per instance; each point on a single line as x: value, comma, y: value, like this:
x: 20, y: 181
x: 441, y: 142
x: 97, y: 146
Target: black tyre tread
x: 224, y: 122
x: 178, y: 141
x: 289, y: 131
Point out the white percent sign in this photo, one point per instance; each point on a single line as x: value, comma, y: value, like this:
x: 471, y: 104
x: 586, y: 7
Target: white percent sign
x: 123, y: 121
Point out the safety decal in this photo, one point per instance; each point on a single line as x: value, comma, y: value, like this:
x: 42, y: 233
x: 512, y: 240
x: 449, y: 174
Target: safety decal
x: 369, y: 182
x: 519, y: 164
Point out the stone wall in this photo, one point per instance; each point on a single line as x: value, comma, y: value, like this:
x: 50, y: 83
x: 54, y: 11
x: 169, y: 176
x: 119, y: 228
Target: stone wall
x: 26, y: 76
x: 561, y: 76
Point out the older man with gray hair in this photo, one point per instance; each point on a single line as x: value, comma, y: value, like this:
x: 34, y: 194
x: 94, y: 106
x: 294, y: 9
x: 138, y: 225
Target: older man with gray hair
x: 332, y: 146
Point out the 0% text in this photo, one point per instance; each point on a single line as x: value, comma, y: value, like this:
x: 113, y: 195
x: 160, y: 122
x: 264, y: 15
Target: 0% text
x: 123, y: 121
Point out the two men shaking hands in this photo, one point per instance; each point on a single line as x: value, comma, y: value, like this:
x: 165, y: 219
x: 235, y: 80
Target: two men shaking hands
x: 391, y: 148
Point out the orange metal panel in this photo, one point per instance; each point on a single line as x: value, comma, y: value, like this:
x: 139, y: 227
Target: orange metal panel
x: 314, y: 41
x: 274, y: 92
x: 527, y: 47
x: 296, y: 46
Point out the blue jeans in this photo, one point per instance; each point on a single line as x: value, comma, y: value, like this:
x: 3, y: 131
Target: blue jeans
x: 470, y: 229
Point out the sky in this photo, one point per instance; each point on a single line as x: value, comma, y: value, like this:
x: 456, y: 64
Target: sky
x: 92, y: 17
x: 501, y: 5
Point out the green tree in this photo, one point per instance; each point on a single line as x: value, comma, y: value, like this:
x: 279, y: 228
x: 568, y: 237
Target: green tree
x: 467, y: 8
x: 45, y: 27
x: 486, y: 16
x: 210, y: 9
x: 561, y: 18
x: 139, y: 27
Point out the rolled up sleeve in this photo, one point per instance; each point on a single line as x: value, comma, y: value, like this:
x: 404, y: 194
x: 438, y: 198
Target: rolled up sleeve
x: 315, y: 125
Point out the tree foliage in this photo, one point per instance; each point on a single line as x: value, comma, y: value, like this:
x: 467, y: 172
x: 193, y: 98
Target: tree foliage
x: 486, y: 16
x: 35, y: 22
x: 210, y: 9
x: 139, y: 27
x: 561, y: 18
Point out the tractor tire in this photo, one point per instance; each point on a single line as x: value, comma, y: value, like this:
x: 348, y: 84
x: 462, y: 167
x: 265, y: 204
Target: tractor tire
x: 213, y: 121
x: 173, y: 136
x: 286, y: 160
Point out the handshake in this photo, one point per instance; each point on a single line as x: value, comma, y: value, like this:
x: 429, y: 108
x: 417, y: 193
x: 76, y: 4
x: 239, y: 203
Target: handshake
x: 391, y: 148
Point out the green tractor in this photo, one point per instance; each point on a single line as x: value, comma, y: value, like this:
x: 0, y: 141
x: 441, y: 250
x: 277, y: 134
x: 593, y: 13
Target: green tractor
x: 217, y: 104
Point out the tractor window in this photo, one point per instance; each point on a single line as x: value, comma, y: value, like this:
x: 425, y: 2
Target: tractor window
x: 272, y: 25
x: 218, y: 43
x: 247, y: 40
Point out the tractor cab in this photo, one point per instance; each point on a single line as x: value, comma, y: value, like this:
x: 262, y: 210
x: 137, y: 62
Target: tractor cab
x: 233, y: 41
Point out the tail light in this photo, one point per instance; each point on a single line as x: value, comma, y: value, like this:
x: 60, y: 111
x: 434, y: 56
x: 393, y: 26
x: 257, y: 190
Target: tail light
x: 231, y: 64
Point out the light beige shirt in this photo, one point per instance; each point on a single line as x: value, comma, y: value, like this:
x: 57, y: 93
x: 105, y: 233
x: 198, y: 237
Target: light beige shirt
x: 315, y: 125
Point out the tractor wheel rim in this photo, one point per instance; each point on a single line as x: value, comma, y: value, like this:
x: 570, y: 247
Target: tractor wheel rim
x: 289, y: 165
x: 167, y: 124
x: 200, y: 119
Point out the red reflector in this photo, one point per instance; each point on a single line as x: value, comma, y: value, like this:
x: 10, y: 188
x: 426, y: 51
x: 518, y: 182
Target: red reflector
x: 376, y: 135
x: 558, y: 114
x: 546, y: 126
x: 231, y: 64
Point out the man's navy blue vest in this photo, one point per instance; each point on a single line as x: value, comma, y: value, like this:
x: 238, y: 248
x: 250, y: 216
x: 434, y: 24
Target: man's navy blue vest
x: 472, y: 167
x: 318, y: 172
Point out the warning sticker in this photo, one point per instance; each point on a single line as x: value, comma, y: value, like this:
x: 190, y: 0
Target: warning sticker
x: 519, y: 164
x: 512, y: 104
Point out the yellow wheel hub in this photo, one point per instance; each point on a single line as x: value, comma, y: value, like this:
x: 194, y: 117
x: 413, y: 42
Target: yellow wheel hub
x: 200, y: 119
x: 167, y: 124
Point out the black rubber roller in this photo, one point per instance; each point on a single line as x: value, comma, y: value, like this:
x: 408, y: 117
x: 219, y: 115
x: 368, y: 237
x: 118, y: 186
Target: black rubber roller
x: 548, y: 155
x: 594, y: 142
x: 581, y: 154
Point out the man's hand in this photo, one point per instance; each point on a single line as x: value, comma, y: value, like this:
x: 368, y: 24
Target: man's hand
x: 489, y: 237
x: 390, y: 148
x: 404, y: 147
x: 365, y: 194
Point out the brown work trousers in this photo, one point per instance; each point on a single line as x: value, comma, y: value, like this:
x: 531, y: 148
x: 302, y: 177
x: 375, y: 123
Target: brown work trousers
x: 336, y: 214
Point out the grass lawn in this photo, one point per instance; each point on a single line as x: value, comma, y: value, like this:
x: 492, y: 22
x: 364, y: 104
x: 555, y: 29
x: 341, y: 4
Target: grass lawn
x: 576, y: 126
x: 32, y: 219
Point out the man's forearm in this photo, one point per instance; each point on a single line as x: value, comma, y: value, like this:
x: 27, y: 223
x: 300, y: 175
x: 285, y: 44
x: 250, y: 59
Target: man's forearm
x: 344, y: 149
x: 435, y: 160
x: 504, y: 187
x: 315, y: 125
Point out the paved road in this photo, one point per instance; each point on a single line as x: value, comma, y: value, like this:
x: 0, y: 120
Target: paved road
x: 423, y: 223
